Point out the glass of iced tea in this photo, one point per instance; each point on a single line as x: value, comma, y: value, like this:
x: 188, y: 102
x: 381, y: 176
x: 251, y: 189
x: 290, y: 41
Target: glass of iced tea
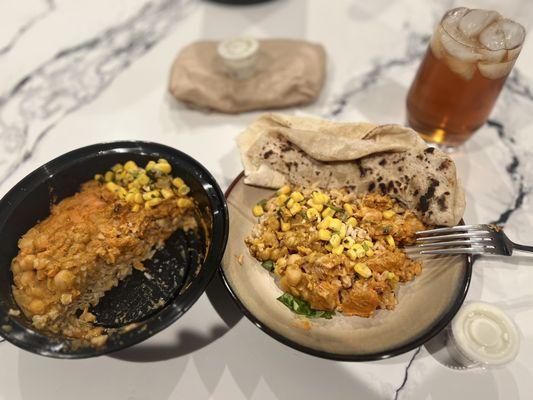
x: 467, y: 62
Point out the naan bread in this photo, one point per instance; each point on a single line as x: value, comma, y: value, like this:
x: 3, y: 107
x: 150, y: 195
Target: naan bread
x: 388, y: 159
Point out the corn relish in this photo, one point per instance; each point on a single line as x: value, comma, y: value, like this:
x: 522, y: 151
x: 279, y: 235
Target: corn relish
x: 145, y: 187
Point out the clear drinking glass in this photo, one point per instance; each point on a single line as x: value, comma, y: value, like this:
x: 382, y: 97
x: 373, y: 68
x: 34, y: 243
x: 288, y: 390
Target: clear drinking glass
x: 465, y: 67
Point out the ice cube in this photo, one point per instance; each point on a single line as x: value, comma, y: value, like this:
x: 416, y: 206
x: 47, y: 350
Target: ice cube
x: 464, y: 69
x: 492, y: 56
x: 453, y: 17
x: 514, y: 33
x: 495, y: 71
x: 459, y: 50
x: 473, y: 22
x: 493, y: 36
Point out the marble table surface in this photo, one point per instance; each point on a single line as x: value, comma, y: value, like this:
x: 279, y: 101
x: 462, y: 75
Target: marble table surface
x: 77, y: 72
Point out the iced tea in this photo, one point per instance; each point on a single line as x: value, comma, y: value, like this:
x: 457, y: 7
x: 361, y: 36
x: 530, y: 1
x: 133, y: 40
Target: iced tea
x: 466, y: 64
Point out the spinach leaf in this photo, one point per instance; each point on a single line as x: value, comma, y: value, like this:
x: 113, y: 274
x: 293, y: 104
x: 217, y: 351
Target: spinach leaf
x: 302, y: 307
x: 268, y: 265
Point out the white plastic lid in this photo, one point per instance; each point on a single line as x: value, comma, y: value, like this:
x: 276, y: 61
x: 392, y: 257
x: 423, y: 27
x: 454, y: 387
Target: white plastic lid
x: 485, y: 334
x: 237, y: 49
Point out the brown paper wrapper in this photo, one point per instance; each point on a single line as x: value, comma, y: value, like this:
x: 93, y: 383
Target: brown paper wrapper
x: 288, y: 73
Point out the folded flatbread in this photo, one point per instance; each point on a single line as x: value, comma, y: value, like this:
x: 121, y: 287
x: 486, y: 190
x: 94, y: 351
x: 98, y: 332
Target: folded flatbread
x: 279, y: 149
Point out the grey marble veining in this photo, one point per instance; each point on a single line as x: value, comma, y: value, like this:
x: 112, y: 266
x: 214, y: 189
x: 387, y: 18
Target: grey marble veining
x: 12, y: 41
x: 76, y: 76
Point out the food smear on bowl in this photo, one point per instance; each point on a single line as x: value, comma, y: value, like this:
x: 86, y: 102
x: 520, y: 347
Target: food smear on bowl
x: 93, y: 240
x: 335, y: 251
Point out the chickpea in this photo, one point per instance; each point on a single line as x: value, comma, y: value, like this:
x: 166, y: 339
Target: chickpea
x: 27, y: 262
x: 26, y: 243
x: 41, y: 243
x: 27, y: 278
x: 294, y: 275
x: 269, y: 238
x: 284, y: 284
x: 293, y: 259
x: 273, y: 224
x: 36, y: 307
x: 36, y: 292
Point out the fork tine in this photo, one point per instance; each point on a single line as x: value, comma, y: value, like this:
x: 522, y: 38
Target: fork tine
x: 460, y: 251
x: 459, y: 228
x: 471, y: 235
x: 479, y: 242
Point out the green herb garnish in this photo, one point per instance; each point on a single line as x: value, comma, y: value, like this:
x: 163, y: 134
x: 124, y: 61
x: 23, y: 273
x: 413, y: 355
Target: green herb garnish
x: 334, y: 207
x: 268, y: 265
x: 263, y: 203
x: 386, y: 230
x: 302, y: 307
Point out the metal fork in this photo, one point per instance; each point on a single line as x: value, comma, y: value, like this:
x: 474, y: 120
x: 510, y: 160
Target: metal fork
x: 466, y: 239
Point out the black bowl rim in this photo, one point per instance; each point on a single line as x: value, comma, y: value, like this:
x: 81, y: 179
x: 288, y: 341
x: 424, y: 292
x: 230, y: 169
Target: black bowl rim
x: 396, y: 351
x: 197, y: 286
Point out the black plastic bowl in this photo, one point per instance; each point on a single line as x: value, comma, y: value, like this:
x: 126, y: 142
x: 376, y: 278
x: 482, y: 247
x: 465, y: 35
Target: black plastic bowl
x: 188, y: 262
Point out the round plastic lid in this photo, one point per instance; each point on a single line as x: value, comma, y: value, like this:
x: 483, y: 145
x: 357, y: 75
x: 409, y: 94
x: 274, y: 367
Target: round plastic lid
x: 485, y: 334
x: 239, y: 48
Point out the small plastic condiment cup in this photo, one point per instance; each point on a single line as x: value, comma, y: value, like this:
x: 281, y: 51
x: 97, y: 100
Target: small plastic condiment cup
x: 482, y: 335
x: 239, y: 56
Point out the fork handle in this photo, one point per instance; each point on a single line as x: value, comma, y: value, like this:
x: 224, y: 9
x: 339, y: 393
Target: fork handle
x: 522, y: 247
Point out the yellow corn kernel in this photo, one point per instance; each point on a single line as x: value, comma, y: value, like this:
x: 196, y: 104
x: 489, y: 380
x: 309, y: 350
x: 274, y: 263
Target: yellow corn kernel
x: 150, y: 165
x: 122, y: 193
x: 143, y: 180
x: 112, y: 187
x: 348, y: 242
x: 98, y: 178
x: 390, y: 241
x: 290, y: 203
x: 368, y: 243
x: 312, y: 214
x: 352, y: 222
x: 369, y: 253
x: 178, y: 182
x: 351, y: 254
x: 324, y: 234
x: 184, y: 203
x: 342, y: 231
x: 335, y: 224
x: 165, y: 168
x: 360, y: 253
x: 324, y: 224
x: 297, y: 196
x: 116, y: 167
x: 281, y: 199
x: 335, y: 240
x: 162, y: 161
x: 318, y: 207
x: 130, y: 166
x: 388, y: 214
x: 363, y: 270
x: 152, y: 203
x: 152, y: 194
x: 358, y: 247
x: 317, y: 198
x: 257, y: 211
x: 295, y: 209
x: 337, y: 250
x: 130, y: 197
x: 285, y: 226
x: 135, y: 208
x: 328, y: 212
x: 284, y: 189
x: 167, y: 193
x: 138, y: 198
x: 108, y: 177
x: 328, y: 247
x: 348, y: 209
x: 184, y: 190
